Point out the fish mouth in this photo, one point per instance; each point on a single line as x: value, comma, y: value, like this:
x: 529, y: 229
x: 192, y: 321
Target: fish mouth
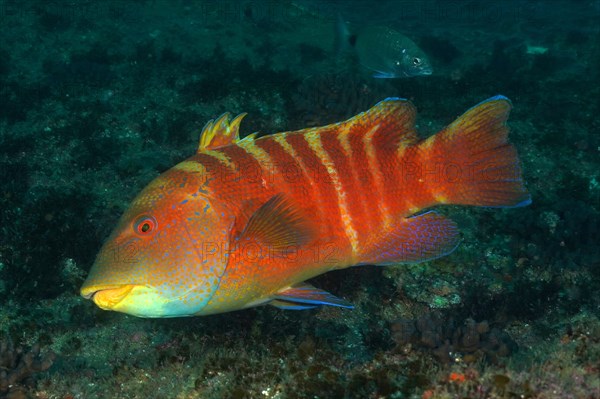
x: 107, y: 297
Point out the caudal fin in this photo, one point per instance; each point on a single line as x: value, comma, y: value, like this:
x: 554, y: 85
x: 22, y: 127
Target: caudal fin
x: 478, y: 164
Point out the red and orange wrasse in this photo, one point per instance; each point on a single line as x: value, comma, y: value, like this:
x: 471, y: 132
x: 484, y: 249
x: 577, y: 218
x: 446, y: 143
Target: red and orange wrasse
x: 245, y: 222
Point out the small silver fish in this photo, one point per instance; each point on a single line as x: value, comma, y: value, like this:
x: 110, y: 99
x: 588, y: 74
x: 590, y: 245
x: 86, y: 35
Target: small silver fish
x: 386, y: 52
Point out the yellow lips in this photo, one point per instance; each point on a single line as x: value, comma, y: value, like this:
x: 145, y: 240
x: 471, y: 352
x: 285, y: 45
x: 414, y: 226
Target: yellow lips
x: 108, y: 298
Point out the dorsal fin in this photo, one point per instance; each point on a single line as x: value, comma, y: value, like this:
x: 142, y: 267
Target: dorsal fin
x: 394, y: 114
x: 220, y: 132
x: 395, y: 117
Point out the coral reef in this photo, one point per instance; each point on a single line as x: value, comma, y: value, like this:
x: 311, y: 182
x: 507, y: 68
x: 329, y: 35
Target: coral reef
x: 453, y: 342
x: 18, y: 367
x: 560, y: 370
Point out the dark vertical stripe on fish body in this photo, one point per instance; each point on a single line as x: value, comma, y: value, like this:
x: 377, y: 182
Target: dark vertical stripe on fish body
x: 204, y: 168
x: 326, y: 198
x: 377, y: 175
x: 352, y: 205
x: 286, y: 167
x: 412, y: 164
x: 315, y: 142
x: 431, y: 173
x: 365, y: 179
x: 213, y: 165
x: 245, y: 179
x: 385, y: 147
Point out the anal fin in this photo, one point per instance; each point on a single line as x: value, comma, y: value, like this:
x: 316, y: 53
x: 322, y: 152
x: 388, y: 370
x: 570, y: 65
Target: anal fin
x: 415, y: 239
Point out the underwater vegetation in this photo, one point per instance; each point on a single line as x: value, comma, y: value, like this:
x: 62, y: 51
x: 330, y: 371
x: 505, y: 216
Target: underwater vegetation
x: 449, y: 342
x: 97, y: 99
x: 18, y: 366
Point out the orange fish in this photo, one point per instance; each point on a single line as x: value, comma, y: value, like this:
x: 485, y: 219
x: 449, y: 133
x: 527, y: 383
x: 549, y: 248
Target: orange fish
x: 245, y: 222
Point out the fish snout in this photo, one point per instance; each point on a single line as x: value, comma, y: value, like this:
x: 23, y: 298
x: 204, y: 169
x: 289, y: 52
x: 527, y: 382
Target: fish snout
x: 107, y: 297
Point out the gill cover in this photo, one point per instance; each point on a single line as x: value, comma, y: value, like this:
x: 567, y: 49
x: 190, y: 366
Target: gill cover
x: 167, y: 254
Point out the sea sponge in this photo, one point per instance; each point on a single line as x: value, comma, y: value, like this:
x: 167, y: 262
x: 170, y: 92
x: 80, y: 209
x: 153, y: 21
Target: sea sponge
x: 18, y: 366
x: 452, y: 341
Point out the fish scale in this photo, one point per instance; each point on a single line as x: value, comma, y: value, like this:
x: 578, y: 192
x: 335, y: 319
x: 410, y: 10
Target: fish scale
x: 245, y: 222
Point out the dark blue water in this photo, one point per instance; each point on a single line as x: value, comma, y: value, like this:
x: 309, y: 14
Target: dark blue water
x: 98, y: 98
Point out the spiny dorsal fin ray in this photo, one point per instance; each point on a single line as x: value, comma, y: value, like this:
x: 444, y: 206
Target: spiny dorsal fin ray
x: 394, y: 118
x: 220, y: 132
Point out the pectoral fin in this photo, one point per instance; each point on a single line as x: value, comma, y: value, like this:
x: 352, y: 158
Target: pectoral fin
x: 278, y: 225
x: 287, y: 305
x: 305, y: 296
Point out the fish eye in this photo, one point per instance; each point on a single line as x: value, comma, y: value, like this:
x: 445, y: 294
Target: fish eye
x: 416, y: 61
x: 145, y: 225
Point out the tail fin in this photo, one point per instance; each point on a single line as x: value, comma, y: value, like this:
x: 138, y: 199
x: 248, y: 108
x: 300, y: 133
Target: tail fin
x: 480, y: 166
